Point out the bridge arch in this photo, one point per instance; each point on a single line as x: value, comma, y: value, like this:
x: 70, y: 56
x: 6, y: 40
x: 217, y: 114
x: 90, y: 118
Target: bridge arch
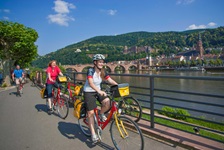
x: 110, y: 66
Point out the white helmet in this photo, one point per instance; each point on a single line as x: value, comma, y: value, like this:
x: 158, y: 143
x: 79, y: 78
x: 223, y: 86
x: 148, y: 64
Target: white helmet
x: 98, y: 57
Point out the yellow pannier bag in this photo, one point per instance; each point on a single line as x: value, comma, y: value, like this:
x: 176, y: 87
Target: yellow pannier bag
x: 77, y: 90
x: 79, y: 109
x: 43, y: 93
x: 62, y: 79
x: 120, y: 90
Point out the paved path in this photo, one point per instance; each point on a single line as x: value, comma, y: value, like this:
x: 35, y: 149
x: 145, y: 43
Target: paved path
x: 25, y: 124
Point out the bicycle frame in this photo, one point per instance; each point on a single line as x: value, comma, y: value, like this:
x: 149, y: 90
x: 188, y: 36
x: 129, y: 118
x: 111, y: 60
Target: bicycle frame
x: 56, y: 99
x: 113, y: 112
x: 69, y: 85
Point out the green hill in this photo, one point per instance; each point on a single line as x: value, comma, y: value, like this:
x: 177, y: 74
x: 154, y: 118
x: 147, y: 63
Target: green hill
x: 164, y: 42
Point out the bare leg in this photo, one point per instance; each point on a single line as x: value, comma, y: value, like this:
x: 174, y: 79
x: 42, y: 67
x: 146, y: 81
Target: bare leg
x: 49, y: 102
x: 105, y: 105
x: 91, y: 121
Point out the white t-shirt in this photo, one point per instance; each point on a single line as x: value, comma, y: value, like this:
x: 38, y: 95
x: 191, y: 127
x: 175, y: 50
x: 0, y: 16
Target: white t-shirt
x: 91, y: 73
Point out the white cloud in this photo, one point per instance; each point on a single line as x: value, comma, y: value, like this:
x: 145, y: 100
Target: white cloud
x: 62, y: 6
x: 60, y: 19
x: 111, y: 12
x: 212, y: 24
x: 6, y: 18
x: 5, y: 10
x: 62, y: 10
x: 193, y: 26
x: 184, y: 2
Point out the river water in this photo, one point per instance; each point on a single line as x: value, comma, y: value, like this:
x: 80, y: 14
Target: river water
x: 196, y: 86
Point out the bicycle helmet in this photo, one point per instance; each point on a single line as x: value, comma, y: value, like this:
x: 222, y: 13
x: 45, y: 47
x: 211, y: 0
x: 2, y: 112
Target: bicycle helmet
x: 98, y: 57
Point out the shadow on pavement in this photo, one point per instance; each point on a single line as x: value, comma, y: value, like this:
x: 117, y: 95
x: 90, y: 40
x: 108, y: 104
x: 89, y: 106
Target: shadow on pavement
x: 14, y: 93
x: 41, y: 108
x: 72, y: 131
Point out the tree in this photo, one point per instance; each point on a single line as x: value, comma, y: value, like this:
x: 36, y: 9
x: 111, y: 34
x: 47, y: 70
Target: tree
x: 17, y: 45
x: 199, y: 62
x: 193, y: 63
x: 219, y: 62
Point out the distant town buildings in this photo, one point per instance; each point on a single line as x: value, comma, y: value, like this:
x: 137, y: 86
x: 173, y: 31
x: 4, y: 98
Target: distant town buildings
x: 189, y: 54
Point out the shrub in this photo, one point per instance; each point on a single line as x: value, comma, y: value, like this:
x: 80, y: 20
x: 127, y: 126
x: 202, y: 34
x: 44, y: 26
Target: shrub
x: 175, y: 113
x: 4, y: 85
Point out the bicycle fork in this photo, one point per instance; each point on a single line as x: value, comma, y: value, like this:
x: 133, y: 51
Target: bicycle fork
x: 120, y: 127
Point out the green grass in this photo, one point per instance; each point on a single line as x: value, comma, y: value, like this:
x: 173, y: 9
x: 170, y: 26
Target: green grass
x: 189, y: 128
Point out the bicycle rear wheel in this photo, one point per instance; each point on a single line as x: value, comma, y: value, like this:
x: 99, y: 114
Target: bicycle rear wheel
x: 132, y: 140
x: 62, y: 107
x: 131, y: 107
x: 84, y: 126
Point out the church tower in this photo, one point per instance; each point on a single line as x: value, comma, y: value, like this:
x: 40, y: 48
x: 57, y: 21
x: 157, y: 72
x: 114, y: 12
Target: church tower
x: 199, y: 47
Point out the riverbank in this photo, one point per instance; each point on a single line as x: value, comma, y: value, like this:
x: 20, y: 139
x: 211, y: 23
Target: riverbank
x: 211, y: 69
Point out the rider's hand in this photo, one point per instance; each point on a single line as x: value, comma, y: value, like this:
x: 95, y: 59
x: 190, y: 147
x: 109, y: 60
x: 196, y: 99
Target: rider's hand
x: 51, y: 80
x: 102, y: 93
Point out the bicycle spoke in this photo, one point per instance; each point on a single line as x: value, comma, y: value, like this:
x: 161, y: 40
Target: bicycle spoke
x: 131, y: 107
x: 83, y: 124
x: 132, y: 140
x: 62, y: 108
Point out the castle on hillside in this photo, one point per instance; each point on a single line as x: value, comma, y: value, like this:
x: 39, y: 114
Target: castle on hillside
x: 136, y: 49
x: 195, y: 53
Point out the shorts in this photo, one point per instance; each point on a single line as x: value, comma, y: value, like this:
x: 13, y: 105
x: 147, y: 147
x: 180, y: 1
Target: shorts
x: 90, y: 100
x: 18, y: 80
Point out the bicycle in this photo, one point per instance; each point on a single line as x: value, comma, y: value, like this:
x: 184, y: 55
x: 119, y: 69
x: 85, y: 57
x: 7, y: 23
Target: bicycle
x: 59, y: 103
x: 128, y: 104
x: 72, y: 95
x: 20, y: 86
x: 125, y: 133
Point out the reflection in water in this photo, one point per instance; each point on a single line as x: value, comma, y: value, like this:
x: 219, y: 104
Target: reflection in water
x: 196, y: 86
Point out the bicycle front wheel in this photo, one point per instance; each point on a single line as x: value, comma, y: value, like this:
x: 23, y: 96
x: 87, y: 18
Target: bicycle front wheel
x: 83, y: 124
x: 132, y: 136
x: 62, y: 107
x: 131, y: 107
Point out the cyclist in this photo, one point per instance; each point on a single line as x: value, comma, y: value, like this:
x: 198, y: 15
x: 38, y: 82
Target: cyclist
x: 93, y: 92
x: 52, y: 72
x: 17, y: 77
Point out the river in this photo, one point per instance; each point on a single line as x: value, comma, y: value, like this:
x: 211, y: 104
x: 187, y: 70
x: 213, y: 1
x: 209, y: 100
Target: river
x: 198, y: 86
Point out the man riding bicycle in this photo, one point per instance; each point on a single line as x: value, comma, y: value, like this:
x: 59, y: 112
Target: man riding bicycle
x: 17, y: 77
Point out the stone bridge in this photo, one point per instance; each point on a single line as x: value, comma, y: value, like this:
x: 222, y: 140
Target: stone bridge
x: 126, y: 66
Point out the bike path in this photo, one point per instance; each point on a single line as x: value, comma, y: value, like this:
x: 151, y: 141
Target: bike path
x: 25, y: 124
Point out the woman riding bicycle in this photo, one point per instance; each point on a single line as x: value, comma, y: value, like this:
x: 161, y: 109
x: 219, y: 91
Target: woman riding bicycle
x: 93, y: 92
x: 52, y: 72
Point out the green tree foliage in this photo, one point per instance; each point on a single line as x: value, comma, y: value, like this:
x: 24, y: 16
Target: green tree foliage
x: 17, y: 42
x: 17, y: 45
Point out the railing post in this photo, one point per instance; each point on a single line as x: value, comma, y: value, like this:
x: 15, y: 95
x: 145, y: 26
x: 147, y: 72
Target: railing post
x: 74, y: 77
x: 41, y: 78
x: 152, y: 101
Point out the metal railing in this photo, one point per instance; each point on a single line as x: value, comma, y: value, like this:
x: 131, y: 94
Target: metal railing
x: 151, y: 94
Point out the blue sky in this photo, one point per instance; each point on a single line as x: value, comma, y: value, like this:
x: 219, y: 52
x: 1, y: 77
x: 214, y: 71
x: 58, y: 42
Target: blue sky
x: 60, y: 23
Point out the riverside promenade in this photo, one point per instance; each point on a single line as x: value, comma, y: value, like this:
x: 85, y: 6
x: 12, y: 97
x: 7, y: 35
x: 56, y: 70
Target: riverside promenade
x: 25, y: 124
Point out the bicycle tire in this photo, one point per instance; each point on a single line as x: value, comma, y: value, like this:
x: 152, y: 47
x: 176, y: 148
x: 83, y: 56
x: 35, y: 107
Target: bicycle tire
x: 62, y: 107
x: 131, y: 107
x: 134, y: 139
x: 83, y: 124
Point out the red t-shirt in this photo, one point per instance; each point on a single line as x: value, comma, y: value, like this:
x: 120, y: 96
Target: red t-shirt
x: 53, y: 72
